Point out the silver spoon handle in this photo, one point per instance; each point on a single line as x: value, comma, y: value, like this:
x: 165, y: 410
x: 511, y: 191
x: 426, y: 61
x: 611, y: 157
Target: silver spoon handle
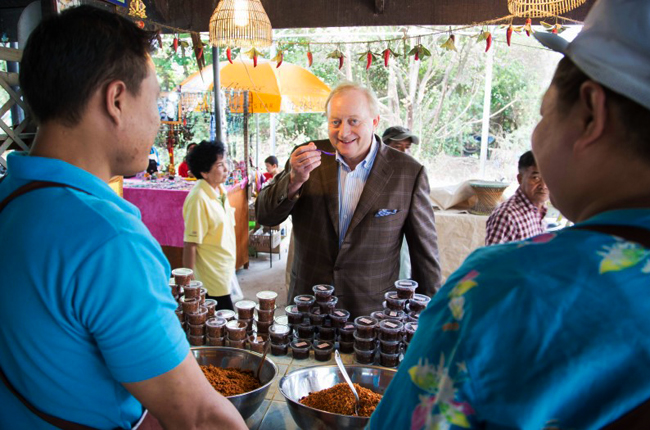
x: 339, y: 363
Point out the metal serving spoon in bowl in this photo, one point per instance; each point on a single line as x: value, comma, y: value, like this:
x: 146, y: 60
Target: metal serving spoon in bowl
x: 339, y: 363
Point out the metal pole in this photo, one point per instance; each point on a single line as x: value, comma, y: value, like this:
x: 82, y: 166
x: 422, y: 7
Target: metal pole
x: 246, y: 155
x: 216, y: 87
x: 485, y: 130
x: 257, y: 140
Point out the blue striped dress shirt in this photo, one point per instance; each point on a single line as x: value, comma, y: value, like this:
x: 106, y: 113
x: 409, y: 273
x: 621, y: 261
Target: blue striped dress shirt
x: 351, y: 183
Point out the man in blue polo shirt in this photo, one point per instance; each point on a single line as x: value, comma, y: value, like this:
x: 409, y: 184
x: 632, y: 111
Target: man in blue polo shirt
x: 87, y: 322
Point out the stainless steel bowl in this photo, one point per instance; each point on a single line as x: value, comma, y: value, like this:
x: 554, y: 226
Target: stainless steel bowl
x: 221, y: 356
x: 301, y: 382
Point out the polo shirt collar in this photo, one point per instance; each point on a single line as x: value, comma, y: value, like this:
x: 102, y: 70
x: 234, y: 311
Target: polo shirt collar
x: 27, y: 168
x: 366, y: 163
x: 207, y: 188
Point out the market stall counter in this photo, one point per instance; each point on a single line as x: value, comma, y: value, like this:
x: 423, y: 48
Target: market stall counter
x: 161, y: 205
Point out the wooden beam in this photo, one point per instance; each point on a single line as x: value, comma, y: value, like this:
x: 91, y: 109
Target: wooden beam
x: 379, y: 6
x: 10, y: 78
x: 194, y: 15
x: 10, y: 54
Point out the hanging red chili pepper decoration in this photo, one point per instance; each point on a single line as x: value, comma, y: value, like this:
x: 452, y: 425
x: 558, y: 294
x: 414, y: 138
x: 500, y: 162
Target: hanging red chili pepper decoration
x: 229, y: 54
x: 255, y: 59
x: 337, y: 54
x: 175, y: 44
x: 417, y: 55
x: 509, y: 34
x: 310, y: 56
x: 368, y: 60
x: 488, y: 41
x: 341, y: 62
x: 278, y: 58
x: 140, y: 24
x: 386, y: 54
x: 528, y: 27
x: 554, y: 31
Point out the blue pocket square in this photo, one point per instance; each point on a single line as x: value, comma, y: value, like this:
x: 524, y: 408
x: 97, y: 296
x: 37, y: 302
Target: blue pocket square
x: 385, y: 212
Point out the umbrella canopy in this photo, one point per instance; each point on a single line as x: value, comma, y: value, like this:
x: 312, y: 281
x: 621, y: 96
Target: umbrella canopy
x: 288, y: 88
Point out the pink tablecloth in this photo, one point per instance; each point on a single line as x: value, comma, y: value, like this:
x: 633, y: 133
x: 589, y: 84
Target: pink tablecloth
x: 162, y: 212
x: 162, y: 209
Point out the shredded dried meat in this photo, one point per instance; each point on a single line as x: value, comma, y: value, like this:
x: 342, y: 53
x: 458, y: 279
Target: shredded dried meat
x: 229, y: 381
x: 340, y: 400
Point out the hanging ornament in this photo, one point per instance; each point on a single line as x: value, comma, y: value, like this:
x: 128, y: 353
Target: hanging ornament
x: 278, y: 58
x: 528, y: 27
x: 487, y: 36
x: 197, y: 46
x: 368, y: 57
x: 175, y: 44
x: 229, y: 54
x: 419, y: 52
x: 450, y: 44
x: 555, y: 29
x: 310, y: 56
x: 137, y: 9
x: 339, y: 55
x: 254, y: 54
x: 140, y: 24
x: 387, y: 54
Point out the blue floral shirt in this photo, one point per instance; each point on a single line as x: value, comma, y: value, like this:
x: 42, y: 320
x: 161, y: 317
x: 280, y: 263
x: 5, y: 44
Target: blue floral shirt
x: 550, y: 333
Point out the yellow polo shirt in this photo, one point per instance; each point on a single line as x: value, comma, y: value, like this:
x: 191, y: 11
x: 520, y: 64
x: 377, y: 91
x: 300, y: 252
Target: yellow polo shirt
x: 210, y: 223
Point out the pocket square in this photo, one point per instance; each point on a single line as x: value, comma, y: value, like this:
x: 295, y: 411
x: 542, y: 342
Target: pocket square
x: 385, y: 212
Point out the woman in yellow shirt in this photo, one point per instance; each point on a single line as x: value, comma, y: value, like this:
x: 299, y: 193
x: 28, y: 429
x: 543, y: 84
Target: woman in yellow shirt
x: 210, y: 245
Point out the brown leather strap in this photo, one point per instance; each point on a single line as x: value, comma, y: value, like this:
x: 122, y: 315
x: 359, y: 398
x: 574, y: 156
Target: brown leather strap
x: 36, y: 185
x: 630, y: 233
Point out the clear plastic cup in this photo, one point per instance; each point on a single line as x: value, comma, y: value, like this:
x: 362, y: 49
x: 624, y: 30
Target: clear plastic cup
x: 316, y: 316
x: 378, y: 315
x: 365, y: 326
x: 390, y: 330
x: 323, y: 350
x: 227, y: 314
x: 339, y: 317
x: 182, y: 276
x: 264, y: 315
x: 236, y: 330
x: 203, y: 294
x: 279, y: 333
x: 346, y: 333
x: 196, y: 340
x: 419, y: 302
x: 198, y: 317
x: 216, y: 327
x: 266, y: 300
x: 406, y: 288
x: 279, y: 349
x: 211, y: 305
x: 305, y: 331
x: 394, y: 302
x: 364, y: 357
x: 300, y: 349
x: 245, y: 309
x: 257, y: 343
x: 346, y: 347
x: 327, y: 307
x: 215, y: 341
x: 388, y: 360
x: 304, y: 302
x: 294, y: 315
x: 409, y: 329
x: 241, y: 344
x: 281, y: 320
x: 196, y: 329
x: 193, y: 290
x: 327, y: 333
x: 190, y: 305
x: 364, y: 344
x: 389, y: 347
x: 394, y: 314
x: 323, y: 292
x: 263, y: 326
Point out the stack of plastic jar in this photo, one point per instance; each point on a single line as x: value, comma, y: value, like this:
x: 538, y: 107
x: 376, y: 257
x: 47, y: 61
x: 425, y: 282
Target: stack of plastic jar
x: 365, y: 339
x: 280, y: 336
x: 265, y: 311
x: 236, y: 334
x: 245, y: 309
x: 216, y: 331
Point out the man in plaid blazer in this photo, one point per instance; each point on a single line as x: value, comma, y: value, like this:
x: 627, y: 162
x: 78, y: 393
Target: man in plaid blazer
x: 352, y: 200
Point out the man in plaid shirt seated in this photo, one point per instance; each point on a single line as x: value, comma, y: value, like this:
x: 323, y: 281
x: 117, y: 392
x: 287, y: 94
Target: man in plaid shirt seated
x: 522, y: 215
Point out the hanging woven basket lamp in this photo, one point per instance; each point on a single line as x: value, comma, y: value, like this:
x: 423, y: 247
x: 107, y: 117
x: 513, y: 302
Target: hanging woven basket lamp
x: 542, y: 8
x: 240, y: 23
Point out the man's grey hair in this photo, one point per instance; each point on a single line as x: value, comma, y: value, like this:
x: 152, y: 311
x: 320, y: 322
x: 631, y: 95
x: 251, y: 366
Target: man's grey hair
x: 373, y: 103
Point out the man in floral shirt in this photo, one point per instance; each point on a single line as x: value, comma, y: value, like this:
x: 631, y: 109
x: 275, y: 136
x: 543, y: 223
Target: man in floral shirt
x: 554, y: 332
x: 522, y: 215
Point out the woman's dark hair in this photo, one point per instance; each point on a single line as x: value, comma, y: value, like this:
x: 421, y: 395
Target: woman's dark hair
x: 204, y: 156
x: 69, y: 56
x: 634, y: 118
x: 272, y: 160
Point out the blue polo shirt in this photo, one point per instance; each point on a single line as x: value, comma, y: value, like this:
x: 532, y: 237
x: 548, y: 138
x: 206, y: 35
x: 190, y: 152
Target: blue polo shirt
x: 86, y: 303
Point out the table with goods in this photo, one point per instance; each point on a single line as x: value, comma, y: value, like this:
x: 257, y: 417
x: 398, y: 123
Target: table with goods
x: 160, y: 200
x: 299, y: 383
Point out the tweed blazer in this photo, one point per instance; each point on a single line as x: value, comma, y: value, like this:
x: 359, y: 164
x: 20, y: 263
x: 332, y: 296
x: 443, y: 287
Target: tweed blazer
x: 367, y: 264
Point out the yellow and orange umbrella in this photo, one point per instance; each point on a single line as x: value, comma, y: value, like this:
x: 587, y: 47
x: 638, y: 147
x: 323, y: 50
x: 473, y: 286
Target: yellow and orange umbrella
x: 288, y: 88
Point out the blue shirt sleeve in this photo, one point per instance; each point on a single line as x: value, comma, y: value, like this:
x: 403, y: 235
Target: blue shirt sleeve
x: 123, y: 299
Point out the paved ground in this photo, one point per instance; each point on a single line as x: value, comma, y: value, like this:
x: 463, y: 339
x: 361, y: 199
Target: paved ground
x: 260, y: 276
